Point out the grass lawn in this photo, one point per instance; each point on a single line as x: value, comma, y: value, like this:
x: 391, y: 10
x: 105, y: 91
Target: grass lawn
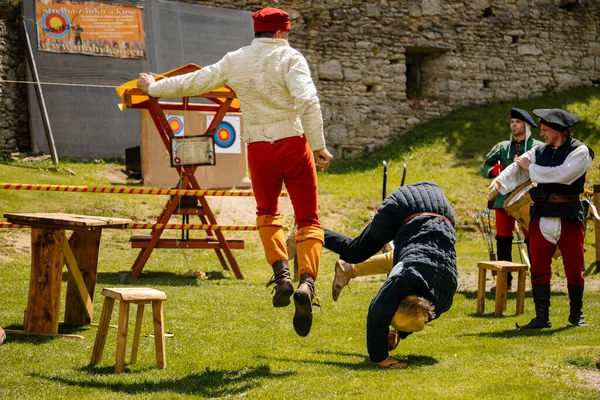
x: 228, y: 341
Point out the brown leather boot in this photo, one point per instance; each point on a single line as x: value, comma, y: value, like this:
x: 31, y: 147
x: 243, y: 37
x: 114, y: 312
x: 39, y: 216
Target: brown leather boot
x: 303, y: 298
x: 284, y: 289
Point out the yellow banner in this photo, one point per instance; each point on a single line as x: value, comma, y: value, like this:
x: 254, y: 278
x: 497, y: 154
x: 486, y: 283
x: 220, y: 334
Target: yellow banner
x: 90, y: 27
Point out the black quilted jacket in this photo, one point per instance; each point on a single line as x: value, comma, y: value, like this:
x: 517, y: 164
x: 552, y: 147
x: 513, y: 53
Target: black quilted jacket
x: 424, y: 257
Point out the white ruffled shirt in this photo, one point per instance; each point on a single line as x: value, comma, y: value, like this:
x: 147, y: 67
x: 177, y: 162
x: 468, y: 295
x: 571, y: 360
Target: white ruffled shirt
x: 272, y: 81
x: 575, y: 165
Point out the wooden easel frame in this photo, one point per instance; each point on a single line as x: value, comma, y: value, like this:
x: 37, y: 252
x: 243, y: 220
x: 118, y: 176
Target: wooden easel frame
x: 215, y: 239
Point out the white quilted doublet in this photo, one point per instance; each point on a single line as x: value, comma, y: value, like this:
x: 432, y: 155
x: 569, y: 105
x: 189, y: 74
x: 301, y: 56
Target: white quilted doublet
x: 274, y: 87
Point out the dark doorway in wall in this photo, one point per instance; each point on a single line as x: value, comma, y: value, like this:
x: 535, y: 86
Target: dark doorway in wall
x: 414, y: 83
x: 423, y: 72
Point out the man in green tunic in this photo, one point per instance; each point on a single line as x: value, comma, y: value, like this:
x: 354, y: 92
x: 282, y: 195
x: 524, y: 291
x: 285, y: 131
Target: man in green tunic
x: 500, y: 157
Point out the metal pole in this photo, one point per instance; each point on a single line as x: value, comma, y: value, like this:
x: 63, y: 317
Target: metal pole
x: 40, y: 97
x: 403, y: 175
x: 384, y: 189
x: 597, y: 226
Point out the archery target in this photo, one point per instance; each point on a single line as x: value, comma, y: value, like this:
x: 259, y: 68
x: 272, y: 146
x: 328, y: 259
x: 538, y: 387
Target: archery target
x: 176, y: 124
x: 56, y: 23
x: 227, y: 136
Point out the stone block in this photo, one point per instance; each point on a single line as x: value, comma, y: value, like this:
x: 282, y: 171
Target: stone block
x: 330, y: 71
x: 495, y: 63
x: 586, y: 64
x: 567, y: 80
x: 529, y: 50
x: 352, y: 75
x: 414, y: 10
x: 431, y: 7
x: 372, y: 10
x: 336, y: 133
x: 594, y: 49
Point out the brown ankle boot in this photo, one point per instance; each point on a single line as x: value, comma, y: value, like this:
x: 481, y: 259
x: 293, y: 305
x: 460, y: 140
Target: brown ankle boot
x: 303, y: 298
x: 284, y: 289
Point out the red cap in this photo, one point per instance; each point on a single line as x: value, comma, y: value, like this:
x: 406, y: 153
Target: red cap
x: 271, y: 20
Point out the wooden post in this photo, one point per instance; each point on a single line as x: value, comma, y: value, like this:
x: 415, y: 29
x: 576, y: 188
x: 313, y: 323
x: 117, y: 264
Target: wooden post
x: 481, y: 290
x: 103, y: 325
x: 159, y: 334
x: 85, y: 245
x: 597, y: 226
x: 500, y: 305
x: 122, y: 336
x: 521, y: 292
x: 43, y: 304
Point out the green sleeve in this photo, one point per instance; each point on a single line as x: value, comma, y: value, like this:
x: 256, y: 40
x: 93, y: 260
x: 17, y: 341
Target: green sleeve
x: 491, y: 159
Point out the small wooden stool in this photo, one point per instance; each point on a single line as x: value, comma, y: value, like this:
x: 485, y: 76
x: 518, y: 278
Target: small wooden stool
x: 501, y: 267
x: 139, y: 296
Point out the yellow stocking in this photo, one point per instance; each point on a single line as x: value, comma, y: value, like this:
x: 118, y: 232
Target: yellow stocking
x: 378, y: 264
x: 272, y: 237
x: 309, y: 243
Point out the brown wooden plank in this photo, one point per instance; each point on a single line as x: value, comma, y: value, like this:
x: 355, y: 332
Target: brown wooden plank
x: 159, y: 334
x: 86, y: 247
x: 136, y: 333
x: 122, y: 336
x: 521, y: 292
x: 481, y: 291
x: 65, y: 221
x: 219, y: 234
x: 500, y: 304
x: 136, y: 295
x: 41, y: 315
x: 78, y: 293
x: 506, y: 266
x: 186, y: 244
x: 103, y: 325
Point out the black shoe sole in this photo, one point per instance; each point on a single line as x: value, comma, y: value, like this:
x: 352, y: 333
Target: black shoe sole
x: 303, y: 316
x: 283, y: 299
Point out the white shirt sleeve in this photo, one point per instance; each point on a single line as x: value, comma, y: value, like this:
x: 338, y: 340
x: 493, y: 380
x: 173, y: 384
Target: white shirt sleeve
x: 194, y: 83
x: 575, y: 165
x: 306, y: 102
x: 514, y: 175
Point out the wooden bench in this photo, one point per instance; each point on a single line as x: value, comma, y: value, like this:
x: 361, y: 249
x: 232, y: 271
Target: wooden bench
x: 126, y: 296
x: 501, y: 268
x: 142, y: 241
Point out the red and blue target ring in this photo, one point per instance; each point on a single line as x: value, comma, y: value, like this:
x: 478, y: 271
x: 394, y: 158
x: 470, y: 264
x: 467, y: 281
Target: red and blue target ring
x: 56, y: 23
x: 225, y: 135
x: 176, y: 124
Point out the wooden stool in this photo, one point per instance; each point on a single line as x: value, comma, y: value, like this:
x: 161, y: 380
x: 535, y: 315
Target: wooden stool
x: 501, y: 267
x: 139, y: 296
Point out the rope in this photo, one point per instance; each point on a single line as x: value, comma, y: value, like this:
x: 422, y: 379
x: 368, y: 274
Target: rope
x: 60, y: 84
x: 74, y: 84
x: 124, y: 190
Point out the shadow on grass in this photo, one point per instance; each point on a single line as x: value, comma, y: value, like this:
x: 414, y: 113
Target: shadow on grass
x: 210, y: 383
x: 470, y: 132
x: 63, y: 329
x: 513, y: 333
x: 472, y: 295
x: 158, y: 278
x: 365, y: 363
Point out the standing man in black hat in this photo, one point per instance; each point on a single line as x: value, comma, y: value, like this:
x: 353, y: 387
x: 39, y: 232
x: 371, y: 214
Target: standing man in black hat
x: 557, y: 215
x: 501, y: 156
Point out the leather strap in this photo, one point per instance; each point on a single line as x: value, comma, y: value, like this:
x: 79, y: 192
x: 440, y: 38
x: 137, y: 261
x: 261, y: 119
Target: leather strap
x: 425, y: 213
x: 554, y: 198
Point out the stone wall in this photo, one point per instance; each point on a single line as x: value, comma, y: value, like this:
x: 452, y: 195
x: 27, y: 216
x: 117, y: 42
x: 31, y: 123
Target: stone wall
x: 462, y: 52
x: 14, y: 125
x: 382, y: 66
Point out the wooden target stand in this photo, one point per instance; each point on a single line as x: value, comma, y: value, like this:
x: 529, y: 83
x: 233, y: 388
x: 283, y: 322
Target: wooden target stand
x: 226, y: 101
